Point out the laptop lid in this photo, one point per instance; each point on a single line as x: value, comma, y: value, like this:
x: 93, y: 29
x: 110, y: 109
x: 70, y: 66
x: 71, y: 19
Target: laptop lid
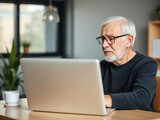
x: 63, y: 85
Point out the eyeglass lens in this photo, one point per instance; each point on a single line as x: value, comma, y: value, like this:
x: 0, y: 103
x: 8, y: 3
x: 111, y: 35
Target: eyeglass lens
x: 109, y: 39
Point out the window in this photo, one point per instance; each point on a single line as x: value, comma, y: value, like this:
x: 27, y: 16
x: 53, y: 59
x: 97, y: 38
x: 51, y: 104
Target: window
x: 6, y: 26
x: 23, y: 22
x: 41, y: 35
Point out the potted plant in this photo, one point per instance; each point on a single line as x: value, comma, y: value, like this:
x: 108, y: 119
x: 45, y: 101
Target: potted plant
x: 10, y: 74
x: 26, y: 45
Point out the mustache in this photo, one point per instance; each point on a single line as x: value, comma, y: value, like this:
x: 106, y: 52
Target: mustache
x: 107, y: 50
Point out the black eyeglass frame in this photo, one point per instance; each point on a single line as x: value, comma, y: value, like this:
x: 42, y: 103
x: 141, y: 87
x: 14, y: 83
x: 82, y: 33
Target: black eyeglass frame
x: 110, y: 36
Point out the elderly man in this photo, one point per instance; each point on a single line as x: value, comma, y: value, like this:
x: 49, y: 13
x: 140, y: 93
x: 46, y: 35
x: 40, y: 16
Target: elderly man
x: 129, y: 78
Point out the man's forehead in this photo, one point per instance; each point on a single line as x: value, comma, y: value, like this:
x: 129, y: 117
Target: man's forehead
x: 112, y: 27
x: 112, y: 24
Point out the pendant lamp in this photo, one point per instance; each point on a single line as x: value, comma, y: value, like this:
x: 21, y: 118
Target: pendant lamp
x: 51, y: 15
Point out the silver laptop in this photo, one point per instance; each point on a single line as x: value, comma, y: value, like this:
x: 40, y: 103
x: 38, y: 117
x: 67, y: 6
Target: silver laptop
x: 64, y: 85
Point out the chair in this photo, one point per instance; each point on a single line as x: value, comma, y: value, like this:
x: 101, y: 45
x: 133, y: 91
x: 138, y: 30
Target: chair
x: 157, y: 97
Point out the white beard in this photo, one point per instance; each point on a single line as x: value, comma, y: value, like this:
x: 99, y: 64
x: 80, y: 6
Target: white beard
x: 115, y: 56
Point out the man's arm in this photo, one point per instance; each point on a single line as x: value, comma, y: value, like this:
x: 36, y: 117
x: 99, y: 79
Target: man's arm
x: 142, y: 93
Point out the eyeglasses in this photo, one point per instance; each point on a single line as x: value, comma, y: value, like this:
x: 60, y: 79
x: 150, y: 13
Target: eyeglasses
x: 109, y: 39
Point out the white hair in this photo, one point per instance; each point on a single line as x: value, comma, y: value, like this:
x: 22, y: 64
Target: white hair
x: 127, y: 26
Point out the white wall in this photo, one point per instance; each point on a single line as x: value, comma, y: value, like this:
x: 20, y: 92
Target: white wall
x: 88, y: 15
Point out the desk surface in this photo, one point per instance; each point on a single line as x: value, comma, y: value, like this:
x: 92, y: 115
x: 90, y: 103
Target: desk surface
x: 23, y: 113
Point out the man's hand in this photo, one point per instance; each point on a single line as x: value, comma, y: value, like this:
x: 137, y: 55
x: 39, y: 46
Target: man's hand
x: 108, y: 100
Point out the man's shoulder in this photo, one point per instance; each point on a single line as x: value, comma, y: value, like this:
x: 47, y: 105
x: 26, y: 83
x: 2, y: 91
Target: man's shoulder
x: 143, y: 58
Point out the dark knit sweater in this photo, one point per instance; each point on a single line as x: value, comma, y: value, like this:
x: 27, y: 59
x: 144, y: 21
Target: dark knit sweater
x: 131, y: 85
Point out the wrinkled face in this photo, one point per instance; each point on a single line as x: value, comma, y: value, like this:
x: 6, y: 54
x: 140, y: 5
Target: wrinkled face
x: 115, y: 51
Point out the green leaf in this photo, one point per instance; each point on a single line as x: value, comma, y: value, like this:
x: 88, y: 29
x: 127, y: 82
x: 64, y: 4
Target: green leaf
x: 5, y: 73
x: 13, y: 78
x: 1, y: 76
x: 17, y: 82
x: 2, y: 79
x: 12, y: 56
x: 7, y: 77
x: 3, y: 60
x: 17, y: 62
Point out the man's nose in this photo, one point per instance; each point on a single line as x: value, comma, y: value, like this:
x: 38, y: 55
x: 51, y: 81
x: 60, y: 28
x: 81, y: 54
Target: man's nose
x: 105, y: 44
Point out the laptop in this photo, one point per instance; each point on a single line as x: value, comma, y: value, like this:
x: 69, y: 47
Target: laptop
x: 64, y: 85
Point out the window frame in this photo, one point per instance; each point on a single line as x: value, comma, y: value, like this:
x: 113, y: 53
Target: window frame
x: 60, y: 4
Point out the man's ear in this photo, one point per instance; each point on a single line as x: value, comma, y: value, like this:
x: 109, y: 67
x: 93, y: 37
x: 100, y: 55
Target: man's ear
x: 129, y: 40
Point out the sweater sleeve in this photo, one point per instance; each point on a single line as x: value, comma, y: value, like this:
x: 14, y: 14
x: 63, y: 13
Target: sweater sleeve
x: 143, y: 89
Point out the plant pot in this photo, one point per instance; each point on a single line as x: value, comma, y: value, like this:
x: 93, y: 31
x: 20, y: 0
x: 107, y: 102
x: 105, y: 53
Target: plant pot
x: 26, y: 50
x: 11, y: 97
